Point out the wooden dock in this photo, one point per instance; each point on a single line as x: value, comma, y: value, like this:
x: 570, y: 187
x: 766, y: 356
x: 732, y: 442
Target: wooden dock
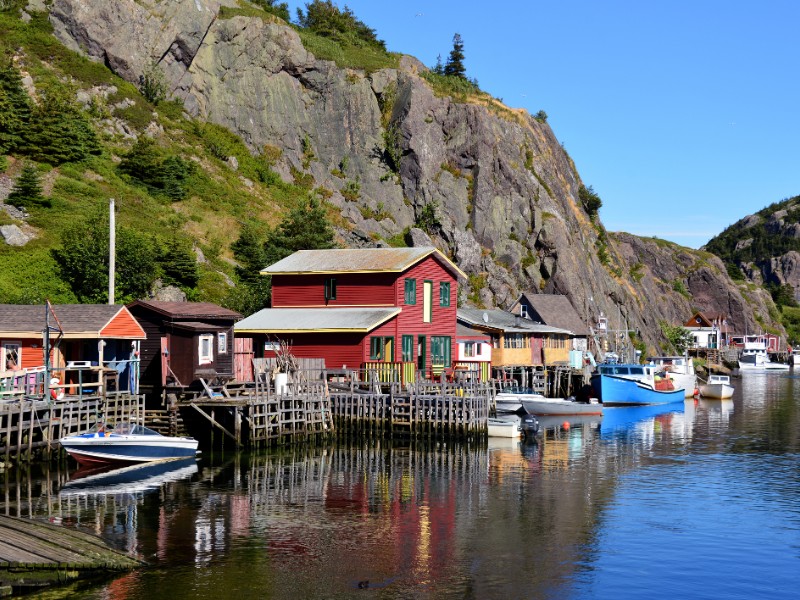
x: 35, y: 554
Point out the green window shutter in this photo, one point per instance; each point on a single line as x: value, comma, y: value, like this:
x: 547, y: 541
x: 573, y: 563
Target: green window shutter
x: 376, y: 348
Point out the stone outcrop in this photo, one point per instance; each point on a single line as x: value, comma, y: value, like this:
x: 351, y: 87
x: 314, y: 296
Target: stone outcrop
x: 498, y: 191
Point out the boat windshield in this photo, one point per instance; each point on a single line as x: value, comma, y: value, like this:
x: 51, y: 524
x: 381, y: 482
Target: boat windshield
x: 132, y: 429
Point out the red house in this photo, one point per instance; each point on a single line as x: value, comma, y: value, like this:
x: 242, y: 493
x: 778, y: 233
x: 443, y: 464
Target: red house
x: 362, y: 306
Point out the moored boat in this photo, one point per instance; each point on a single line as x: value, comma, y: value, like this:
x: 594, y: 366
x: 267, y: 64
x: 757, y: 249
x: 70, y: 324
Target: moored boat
x: 717, y: 387
x: 680, y: 369
x: 501, y: 428
x: 509, y: 400
x: 126, y: 443
x: 754, y: 357
x: 560, y: 406
x: 633, y: 384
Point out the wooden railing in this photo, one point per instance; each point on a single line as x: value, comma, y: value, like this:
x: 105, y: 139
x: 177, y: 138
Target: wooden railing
x: 390, y: 372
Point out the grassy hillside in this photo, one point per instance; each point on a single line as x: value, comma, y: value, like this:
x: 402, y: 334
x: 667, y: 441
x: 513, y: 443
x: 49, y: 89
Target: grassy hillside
x: 217, y: 197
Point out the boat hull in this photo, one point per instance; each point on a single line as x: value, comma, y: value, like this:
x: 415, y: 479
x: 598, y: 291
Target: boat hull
x: 506, y: 429
x: 559, y: 406
x: 716, y: 391
x: 762, y: 366
x: 619, y: 391
x: 100, y: 449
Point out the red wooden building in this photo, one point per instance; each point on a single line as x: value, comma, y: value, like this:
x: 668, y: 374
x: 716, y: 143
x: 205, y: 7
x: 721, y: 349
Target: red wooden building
x: 359, y: 307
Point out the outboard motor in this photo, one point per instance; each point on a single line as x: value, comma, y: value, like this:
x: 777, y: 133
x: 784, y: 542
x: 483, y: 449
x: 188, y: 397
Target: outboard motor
x: 529, y: 426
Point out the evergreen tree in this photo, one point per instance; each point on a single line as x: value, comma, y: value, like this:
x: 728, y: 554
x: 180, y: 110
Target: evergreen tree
x: 27, y: 190
x: 143, y: 162
x: 15, y: 110
x: 324, y: 18
x: 59, y: 130
x: 438, y: 68
x: 455, y: 62
x: 174, y: 174
x: 279, y: 9
x: 305, y: 228
x: 178, y: 262
x: 253, y: 292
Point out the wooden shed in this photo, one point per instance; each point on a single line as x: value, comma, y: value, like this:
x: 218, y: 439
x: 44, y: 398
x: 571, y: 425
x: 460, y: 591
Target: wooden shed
x: 186, y: 342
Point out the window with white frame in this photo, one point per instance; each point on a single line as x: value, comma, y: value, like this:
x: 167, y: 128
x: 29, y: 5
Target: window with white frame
x: 206, y: 349
x: 222, y: 342
x: 12, y: 359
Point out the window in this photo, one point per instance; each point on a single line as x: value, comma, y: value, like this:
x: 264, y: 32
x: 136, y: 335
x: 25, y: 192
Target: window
x: 12, y: 356
x: 206, y: 349
x: 440, y: 350
x: 330, y: 288
x: 523, y: 311
x: 381, y: 348
x: 222, y: 342
x: 411, y: 291
x: 515, y: 340
x: 427, y: 302
x: 408, y: 348
x: 469, y: 349
x: 444, y: 293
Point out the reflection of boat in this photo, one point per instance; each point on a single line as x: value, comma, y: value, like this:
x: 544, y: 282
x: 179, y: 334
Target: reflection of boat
x: 755, y: 358
x: 718, y: 386
x: 126, y: 443
x: 559, y: 406
x: 794, y: 357
x: 618, y: 417
x: 680, y: 370
x: 130, y: 479
x: 631, y: 384
x: 553, y: 421
x: 506, y: 429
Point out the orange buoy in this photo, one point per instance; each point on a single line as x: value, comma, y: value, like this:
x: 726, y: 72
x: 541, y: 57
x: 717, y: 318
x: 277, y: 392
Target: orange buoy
x: 565, y: 425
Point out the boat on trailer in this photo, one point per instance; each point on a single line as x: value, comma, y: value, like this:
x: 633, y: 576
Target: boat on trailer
x: 126, y: 443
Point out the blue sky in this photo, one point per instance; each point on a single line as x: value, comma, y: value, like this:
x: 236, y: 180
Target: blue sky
x: 683, y: 116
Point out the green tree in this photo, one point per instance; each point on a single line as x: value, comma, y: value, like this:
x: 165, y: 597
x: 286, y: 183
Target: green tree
x: 84, y: 256
x: 15, y: 110
x: 178, y: 262
x: 253, y: 292
x: 59, y: 131
x: 27, y: 190
x: 680, y: 337
x: 324, y: 18
x: 279, y: 9
x: 143, y: 162
x: 455, y: 62
x: 153, y: 84
x: 305, y: 228
x: 590, y: 200
x: 428, y: 219
x: 174, y: 177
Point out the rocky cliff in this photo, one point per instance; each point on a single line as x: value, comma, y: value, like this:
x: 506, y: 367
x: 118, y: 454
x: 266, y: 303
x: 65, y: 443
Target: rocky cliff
x: 492, y: 185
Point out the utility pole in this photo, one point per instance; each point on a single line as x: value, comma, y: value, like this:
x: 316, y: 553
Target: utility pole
x: 112, y: 251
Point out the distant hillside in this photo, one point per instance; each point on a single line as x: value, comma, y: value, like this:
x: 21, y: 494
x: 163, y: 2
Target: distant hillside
x: 764, y: 248
x: 226, y: 119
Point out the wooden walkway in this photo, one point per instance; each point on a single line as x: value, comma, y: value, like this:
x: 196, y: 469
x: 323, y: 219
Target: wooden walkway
x: 35, y: 554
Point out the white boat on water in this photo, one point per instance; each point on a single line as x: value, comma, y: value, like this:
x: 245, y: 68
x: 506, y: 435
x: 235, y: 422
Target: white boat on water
x: 794, y: 357
x: 126, y: 443
x: 754, y: 357
x: 718, y: 387
x: 559, y: 406
x: 506, y: 429
x: 509, y: 400
x: 680, y: 370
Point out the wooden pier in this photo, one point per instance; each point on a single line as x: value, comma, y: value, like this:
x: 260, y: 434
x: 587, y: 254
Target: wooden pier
x: 30, y: 424
x: 35, y: 554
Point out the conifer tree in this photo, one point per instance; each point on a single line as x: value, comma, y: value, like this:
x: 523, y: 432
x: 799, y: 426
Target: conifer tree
x: 59, y: 131
x: 455, y: 62
x: 27, y: 190
x: 305, y: 228
x: 15, y: 110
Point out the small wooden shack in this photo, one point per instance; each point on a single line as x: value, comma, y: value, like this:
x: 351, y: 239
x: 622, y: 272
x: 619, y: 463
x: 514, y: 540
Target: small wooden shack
x: 186, y: 342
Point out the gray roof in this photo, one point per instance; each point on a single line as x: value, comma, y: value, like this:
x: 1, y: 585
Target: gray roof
x: 308, y: 320
x: 357, y: 260
x: 556, y: 310
x: 188, y: 310
x: 76, y: 320
x: 505, y: 321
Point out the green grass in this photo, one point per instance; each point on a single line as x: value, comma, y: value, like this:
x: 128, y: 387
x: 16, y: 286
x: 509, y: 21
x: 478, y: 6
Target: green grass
x: 367, y: 59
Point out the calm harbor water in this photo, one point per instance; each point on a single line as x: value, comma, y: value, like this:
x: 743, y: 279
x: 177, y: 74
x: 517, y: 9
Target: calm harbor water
x: 701, y: 500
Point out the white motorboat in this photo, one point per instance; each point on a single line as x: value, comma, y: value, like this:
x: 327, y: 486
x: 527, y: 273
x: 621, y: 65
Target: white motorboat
x: 559, y: 406
x: 506, y: 429
x: 680, y: 370
x: 509, y: 400
x: 754, y: 357
x: 126, y: 443
x: 718, y: 387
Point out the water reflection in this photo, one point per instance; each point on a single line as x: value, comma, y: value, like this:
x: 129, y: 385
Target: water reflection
x: 569, y: 515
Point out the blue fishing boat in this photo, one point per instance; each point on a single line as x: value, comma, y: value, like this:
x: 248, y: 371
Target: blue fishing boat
x: 126, y: 443
x: 632, y: 385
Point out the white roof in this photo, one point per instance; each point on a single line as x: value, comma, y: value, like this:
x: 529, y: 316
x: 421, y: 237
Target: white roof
x: 308, y: 320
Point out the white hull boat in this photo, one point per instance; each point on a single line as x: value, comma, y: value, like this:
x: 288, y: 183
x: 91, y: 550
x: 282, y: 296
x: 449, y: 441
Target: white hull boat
x: 505, y: 429
x: 560, y: 406
x: 511, y: 402
x: 680, y: 370
x: 718, y: 387
x: 126, y: 443
x: 755, y: 358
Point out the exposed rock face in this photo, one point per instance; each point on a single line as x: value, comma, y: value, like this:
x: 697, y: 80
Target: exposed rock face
x: 14, y: 236
x: 503, y: 190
